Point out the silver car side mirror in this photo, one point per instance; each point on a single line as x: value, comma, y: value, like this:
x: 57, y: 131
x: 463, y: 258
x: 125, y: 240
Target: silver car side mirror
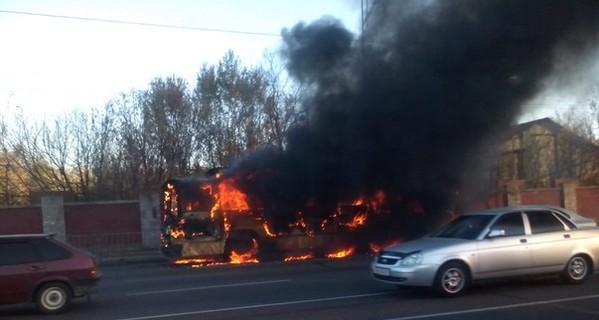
x: 496, y: 233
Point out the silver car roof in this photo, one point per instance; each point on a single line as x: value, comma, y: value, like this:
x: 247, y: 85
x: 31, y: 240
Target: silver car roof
x: 574, y: 217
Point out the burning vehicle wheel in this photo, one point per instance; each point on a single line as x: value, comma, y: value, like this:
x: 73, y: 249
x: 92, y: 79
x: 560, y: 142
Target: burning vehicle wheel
x: 242, y: 243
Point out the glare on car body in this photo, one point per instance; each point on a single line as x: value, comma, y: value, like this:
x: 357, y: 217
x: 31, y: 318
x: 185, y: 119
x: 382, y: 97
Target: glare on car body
x: 504, y: 242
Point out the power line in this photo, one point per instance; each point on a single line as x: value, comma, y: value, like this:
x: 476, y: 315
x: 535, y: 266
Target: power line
x: 143, y: 24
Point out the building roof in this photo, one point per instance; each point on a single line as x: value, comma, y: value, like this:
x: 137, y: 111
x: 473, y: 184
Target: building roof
x: 553, y: 127
x: 546, y: 123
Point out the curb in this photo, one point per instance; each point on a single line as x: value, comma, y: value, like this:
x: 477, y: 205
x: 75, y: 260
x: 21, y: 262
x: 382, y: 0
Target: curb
x: 161, y: 259
x: 156, y: 258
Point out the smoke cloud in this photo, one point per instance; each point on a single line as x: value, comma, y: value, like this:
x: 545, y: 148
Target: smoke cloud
x: 406, y: 107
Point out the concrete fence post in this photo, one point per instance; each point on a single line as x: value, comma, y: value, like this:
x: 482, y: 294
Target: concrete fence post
x: 53, y: 216
x: 569, y: 187
x: 149, y: 207
x: 514, y: 188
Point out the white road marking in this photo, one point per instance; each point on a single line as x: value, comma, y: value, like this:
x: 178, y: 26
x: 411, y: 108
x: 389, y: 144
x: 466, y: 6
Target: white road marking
x: 243, y: 284
x: 256, y: 306
x: 508, y: 306
x: 423, y: 316
x: 170, y: 279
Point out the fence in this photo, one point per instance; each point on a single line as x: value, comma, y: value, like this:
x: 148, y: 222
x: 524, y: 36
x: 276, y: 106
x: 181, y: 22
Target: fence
x: 105, y: 228
x: 127, y: 227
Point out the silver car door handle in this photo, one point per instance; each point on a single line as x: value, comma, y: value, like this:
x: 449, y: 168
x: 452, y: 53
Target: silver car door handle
x: 567, y: 236
x: 523, y: 241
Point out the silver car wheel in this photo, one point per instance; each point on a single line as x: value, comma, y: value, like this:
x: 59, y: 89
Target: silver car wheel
x: 577, y: 268
x: 453, y: 280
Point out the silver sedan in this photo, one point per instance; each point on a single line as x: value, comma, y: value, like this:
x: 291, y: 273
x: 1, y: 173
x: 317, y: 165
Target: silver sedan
x: 504, y: 242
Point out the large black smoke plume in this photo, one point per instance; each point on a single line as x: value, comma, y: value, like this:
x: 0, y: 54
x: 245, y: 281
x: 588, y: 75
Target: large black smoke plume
x: 405, y: 107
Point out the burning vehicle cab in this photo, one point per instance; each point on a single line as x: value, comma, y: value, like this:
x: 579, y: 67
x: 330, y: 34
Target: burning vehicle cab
x: 192, y: 224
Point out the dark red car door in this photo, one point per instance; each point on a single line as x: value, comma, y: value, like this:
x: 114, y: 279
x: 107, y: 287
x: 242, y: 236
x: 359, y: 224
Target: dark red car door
x: 20, y: 270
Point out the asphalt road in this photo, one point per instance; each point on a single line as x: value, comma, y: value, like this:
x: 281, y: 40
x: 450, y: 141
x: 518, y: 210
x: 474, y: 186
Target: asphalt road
x: 340, y: 289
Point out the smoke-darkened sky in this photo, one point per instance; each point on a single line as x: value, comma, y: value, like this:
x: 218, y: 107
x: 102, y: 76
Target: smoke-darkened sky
x: 407, y: 107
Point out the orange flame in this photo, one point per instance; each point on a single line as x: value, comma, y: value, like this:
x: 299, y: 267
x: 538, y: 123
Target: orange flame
x: 170, y: 199
x: 242, y: 258
x: 323, y: 225
x: 248, y: 257
x: 175, y: 234
x: 341, y: 254
x: 198, y: 263
x: 267, y: 230
x: 378, y: 247
x: 299, y: 222
x: 375, y: 247
x: 296, y: 258
x: 227, y: 224
x: 358, y: 220
x: 358, y: 202
x: 207, y: 187
x: 231, y: 198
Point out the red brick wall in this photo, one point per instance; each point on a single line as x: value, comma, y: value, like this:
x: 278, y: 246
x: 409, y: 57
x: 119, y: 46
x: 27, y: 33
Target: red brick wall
x: 587, y: 202
x: 21, y: 220
x: 103, y: 224
x: 542, y: 196
x: 494, y: 200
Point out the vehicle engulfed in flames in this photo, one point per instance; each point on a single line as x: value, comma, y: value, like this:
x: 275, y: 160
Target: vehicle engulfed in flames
x: 207, y: 220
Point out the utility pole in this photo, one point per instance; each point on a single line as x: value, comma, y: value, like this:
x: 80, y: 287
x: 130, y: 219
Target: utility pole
x: 365, y: 9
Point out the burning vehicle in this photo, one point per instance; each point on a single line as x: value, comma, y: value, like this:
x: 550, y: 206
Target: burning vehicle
x: 208, y: 220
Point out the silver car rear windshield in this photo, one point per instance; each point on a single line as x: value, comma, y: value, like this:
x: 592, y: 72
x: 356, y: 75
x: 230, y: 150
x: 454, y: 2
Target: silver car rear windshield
x: 464, y: 227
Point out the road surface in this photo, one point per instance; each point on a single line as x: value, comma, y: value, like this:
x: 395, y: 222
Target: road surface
x: 340, y: 289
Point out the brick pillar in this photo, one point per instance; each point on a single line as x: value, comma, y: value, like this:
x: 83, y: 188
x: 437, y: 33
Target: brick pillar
x: 149, y: 207
x: 513, y: 188
x: 53, y: 220
x: 568, y: 187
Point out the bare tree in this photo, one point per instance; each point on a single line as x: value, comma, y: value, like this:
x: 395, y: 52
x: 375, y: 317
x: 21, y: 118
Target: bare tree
x: 593, y: 103
x: 132, y: 157
x: 154, y: 130
x: 143, y: 137
x: 168, y: 114
x: 282, y: 101
x: 538, y: 162
x: 106, y: 154
x: 240, y: 109
x: 578, y: 145
x: 7, y: 186
x: 25, y: 141
x: 227, y: 103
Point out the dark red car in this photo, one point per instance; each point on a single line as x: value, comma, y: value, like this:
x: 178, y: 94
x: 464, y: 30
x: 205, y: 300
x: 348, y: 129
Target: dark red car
x: 42, y: 270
